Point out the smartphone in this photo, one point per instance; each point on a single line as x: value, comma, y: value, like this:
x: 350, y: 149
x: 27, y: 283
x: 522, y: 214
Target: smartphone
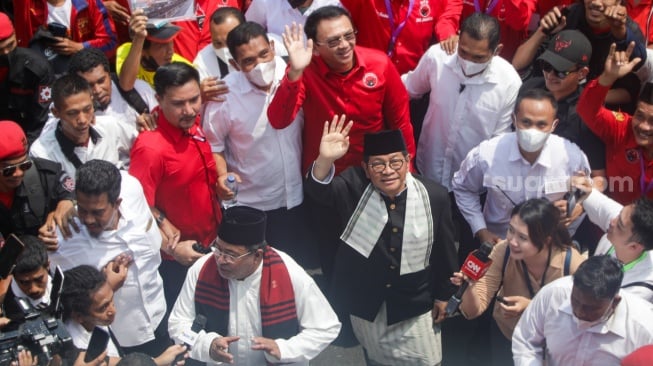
x: 8, y: 255
x: 502, y: 300
x: 58, y: 29
x: 572, y: 198
x: 200, y: 249
x: 98, y: 343
x: 55, y: 293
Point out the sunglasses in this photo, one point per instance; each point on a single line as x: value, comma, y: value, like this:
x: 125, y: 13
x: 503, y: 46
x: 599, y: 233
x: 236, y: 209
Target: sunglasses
x: 547, y: 67
x: 8, y: 171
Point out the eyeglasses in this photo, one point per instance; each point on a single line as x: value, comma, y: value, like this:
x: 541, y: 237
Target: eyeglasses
x: 335, y: 41
x: 547, y: 67
x: 8, y: 171
x: 379, y: 166
x: 229, y: 258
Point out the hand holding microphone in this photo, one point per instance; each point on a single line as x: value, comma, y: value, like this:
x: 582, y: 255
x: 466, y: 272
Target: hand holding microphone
x: 188, y: 338
x: 474, y: 267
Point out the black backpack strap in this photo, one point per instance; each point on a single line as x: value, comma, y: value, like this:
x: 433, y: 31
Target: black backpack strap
x: 567, y: 262
x: 34, y: 187
x: 505, y: 261
x: 131, y: 97
x: 642, y: 284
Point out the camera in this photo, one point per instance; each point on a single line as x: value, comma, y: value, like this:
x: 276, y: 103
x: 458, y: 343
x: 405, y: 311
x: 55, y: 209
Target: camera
x: 43, y: 335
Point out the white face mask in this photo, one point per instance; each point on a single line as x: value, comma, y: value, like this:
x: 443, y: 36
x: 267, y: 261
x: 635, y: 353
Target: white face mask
x: 263, y: 74
x: 223, y: 54
x: 470, y: 68
x: 584, y: 324
x: 532, y: 139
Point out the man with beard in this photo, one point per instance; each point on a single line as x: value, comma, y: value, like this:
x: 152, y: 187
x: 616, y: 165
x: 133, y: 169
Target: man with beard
x: 118, y: 235
x: 25, y: 78
x: 176, y: 168
x: 129, y: 107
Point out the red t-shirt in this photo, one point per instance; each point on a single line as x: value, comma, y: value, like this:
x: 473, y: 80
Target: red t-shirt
x: 7, y: 198
x: 640, y: 13
x: 429, y: 20
x: 192, y: 38
x: 371, y: 94
x: 623, y: 155
x: 178, y: 175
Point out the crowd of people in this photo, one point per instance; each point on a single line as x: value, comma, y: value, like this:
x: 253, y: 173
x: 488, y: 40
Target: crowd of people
x: 185, y: 174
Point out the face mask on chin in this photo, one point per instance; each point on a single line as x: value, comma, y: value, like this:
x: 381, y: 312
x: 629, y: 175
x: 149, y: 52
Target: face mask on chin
x: 223, y: 54
x: 263, y: 74
x: 532, y: 139
x: 585, y: 324
x: 470, y: 68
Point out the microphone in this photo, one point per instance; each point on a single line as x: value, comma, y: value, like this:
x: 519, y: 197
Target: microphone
x: 188, y: 338
x: 475, y: 266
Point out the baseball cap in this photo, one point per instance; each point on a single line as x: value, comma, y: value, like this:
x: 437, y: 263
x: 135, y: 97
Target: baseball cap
x: 6, y: 26
x: 567, y: 49
x: 13, y: 142
x: 162, y: 34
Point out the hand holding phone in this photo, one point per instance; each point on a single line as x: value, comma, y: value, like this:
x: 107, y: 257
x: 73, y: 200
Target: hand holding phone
x: 502, y: 300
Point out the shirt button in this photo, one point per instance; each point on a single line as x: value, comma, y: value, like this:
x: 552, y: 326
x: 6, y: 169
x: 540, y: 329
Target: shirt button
x: 393, y: 249
x: 392, y: 267
x: 388, y: 285
x: 392, y: 206
x: 394, y: 229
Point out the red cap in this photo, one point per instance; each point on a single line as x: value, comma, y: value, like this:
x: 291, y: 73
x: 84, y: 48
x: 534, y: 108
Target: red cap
x: 13, y: 143
x: 6, y: 26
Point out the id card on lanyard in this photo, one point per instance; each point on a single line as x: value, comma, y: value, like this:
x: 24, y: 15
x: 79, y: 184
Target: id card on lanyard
x: 395, y: 29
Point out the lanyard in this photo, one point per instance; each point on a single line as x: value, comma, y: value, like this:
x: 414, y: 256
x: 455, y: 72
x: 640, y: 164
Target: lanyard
x: 632, y: 264
x: 528, y: 280
x: 396, y: 29
x: 645, y: 188
x: 488, y: 10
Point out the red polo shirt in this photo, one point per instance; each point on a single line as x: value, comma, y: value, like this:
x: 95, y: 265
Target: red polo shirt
x: 623, y: 164
x: 179, y: 177
x: 371, y: 94
x: 640, y: 12
x: 513, y: 16
x: 192, y: 38
x: 429, y: 20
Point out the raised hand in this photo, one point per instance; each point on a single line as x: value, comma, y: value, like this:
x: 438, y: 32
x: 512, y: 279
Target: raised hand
x: 300, y: 50
x: 617, y: 64
x: 138, y: 24
x: 553, y: 21
x: 335, y: 138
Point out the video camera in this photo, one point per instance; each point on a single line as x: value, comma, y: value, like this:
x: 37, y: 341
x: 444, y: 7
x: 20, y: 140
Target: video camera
x: 40, y: 332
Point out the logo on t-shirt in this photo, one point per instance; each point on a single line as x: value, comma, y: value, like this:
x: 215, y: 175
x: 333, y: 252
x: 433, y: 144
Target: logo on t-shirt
x: 424, y: 8
x: 370, y: 79
x: 620, y: 117
x: 632, y: 155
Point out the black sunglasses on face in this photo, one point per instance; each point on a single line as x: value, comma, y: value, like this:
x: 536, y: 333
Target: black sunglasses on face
x: 547, y: 67
x: 8, y: 171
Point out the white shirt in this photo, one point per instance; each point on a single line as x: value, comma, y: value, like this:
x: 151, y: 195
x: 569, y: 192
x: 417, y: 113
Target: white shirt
x: 81, y: 337
x: 115, y: 142
x: 140, y: 304
x: 318, y: 323
x: 600, y: 209
x: 548, y: 325
x: 274, y: 15
x: 60, y: 14
x: 457, y: 121
x: 267, y: 160
x: 497, y: 166
x: 119, y: 109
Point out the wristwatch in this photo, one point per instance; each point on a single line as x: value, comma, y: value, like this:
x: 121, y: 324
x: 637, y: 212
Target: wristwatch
x: 159, y: 219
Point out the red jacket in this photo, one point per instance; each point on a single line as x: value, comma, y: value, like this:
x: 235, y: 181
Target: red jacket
x: 90, y: 23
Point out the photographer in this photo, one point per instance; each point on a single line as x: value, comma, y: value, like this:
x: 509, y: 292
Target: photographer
x: 31, y: 280
x: 87, y: 300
